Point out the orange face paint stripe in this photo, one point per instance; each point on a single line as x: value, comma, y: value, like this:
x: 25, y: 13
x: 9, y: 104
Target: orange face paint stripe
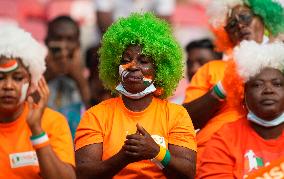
x: 9, y: 66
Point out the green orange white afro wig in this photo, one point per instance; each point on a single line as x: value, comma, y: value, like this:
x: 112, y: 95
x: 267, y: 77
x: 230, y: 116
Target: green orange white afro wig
x: 157, y: 41
x: 270, y: 11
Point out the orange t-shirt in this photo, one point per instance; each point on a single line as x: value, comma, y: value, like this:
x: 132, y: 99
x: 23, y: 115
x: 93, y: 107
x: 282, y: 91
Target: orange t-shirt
x: 205, y: 78
x: 17, y: 156
x: 236, y: 150
x: 110, y: 121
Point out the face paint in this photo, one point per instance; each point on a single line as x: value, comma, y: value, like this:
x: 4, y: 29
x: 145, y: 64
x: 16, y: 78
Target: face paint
x: 11, y: 65
x: 147, y: 80
x: 123, y: 71
x: 24, y: 92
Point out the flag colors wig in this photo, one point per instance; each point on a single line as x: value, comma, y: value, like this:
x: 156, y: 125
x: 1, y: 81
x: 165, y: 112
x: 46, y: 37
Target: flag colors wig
x: 157, y: 41
x: 270, y: 11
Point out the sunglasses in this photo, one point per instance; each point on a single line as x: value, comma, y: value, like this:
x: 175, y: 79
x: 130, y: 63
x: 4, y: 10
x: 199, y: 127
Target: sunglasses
x: 244, y: 18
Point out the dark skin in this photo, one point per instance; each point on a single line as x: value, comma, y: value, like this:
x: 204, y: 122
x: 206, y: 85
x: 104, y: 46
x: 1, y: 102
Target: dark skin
x: 196, y: 58
x: 138, y: 146
x: 51, y: 167
x: 64, y: 57
x: 209, y: 103
x: 264, y: 96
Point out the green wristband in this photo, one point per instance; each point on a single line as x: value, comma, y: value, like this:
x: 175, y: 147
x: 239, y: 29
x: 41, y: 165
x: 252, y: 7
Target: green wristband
x: 166, y: 159
x: 218, y: 92
x: 37, y: 136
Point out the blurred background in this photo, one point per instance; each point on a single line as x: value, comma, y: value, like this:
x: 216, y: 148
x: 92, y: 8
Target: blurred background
x: 71, y: 31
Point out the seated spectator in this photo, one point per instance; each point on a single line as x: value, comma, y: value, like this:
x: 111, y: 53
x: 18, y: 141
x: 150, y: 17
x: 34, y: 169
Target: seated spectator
x: 35, y: 140
x: 69, y: 88
x: 139, y: 134
x: 99, y: 93
x: 198, y: 53
x: 242, y: 147
x: 232, y: 22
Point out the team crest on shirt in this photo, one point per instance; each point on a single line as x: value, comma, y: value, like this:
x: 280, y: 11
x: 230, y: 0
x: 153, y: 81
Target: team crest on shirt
x: 23, y: 159
x: 159, y: 140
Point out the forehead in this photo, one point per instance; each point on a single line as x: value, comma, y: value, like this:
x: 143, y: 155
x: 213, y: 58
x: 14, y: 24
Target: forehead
x: 63, y: 29
x: 268, y: 74
x: 136, y: 49
x: 21, y: 67
x: 239, y: 10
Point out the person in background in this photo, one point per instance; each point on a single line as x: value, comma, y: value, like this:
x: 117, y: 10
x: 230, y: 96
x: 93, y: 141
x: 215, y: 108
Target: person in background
x: 199, y: 52
x: 138, y: 134
x: 242, y: 147
x: 70, y: 92
x: 109, y: 11
x: 35, y: 141
x: 232, y: 22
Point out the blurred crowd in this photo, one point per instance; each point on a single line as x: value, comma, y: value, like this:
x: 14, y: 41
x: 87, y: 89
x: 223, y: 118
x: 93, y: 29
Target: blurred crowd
x: 71, y: 31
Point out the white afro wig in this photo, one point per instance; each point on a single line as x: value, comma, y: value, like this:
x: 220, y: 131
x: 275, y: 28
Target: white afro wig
x: 17, y: 43
x: 252, y: 57
x: 217, y: 11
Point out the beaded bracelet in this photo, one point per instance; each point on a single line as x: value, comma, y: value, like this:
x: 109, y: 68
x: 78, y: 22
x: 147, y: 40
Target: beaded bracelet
x: 40, y: 141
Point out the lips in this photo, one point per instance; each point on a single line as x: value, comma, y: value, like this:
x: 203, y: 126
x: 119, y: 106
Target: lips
x: 268, y: 102
x: 245, y: 34
x: 8, y: 99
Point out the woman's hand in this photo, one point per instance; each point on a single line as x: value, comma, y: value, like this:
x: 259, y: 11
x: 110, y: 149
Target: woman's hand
x: 140, y: 146
x: 36, y: 111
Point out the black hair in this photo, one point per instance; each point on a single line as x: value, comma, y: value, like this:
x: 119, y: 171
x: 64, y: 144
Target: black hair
x: 203, y: 43
x: 59, y: 19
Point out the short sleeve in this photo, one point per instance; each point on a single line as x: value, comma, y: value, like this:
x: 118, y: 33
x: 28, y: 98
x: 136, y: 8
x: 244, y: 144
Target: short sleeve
x: 104, y: 5
x: 89, y: 131
x: 182, y: 131
x: 59, y: 135
x: 165, y: 7
x: 217, y: 160
x: 199, y: 84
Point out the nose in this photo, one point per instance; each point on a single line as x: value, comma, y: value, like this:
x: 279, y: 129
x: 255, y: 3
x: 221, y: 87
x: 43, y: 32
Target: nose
x: 8, y: 84
x: 133, y: 66
x: 268, y: 89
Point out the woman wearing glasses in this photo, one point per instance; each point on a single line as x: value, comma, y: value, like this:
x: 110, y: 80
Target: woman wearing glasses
x: 232, y: 22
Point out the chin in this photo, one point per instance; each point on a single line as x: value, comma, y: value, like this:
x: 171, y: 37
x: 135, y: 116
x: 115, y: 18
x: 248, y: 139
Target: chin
x: 8, y: 108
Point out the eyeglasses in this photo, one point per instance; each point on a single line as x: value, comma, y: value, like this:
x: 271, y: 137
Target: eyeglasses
x: 244, y: 18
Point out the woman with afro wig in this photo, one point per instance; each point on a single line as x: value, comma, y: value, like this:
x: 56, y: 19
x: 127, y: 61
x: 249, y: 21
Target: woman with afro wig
x: 138, y: 134
x: 232, y: 22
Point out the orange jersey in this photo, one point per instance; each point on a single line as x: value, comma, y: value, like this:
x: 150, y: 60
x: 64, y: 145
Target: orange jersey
x: 237, y: 150
x: 110, y: 121
x: 202, y: 82
x: 17, y: 156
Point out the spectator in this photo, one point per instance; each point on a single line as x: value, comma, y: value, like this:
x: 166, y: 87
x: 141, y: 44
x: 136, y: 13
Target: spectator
x: 117, y: 137
x: 65, y: 72
x: 35, y: 141
x: 232, y: 22
x: 198, y: 53
x: 242, y: 147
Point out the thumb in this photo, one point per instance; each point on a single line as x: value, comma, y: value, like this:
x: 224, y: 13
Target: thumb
x: 141, y: 130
